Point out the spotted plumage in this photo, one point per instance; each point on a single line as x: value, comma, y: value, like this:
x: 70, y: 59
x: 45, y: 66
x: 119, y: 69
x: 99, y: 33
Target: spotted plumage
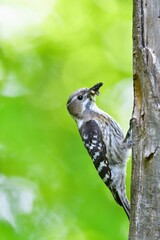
x: 93, y: 141
x: 103, y: 139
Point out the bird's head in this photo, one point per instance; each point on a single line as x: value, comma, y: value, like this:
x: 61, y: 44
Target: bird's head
x: 82, y: 100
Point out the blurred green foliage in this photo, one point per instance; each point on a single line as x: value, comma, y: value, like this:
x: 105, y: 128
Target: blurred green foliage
x: 49, y: 189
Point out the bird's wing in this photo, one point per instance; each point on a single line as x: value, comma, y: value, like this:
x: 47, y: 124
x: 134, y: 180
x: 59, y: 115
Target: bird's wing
x: 93, y: 141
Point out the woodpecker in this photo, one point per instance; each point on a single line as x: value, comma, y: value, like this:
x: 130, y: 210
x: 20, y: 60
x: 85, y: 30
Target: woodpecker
x: 103, y: 139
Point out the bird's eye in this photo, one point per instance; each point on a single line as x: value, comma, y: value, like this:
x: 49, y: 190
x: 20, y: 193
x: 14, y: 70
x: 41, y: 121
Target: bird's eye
x: 80, y: 97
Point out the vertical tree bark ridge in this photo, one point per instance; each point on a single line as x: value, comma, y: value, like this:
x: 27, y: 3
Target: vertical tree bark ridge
x: 145, y: 186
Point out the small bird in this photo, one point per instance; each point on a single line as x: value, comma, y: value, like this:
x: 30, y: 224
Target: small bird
x: 103, y: 139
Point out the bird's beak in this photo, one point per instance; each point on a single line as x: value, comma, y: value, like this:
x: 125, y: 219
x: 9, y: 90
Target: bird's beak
x: 95, y: 89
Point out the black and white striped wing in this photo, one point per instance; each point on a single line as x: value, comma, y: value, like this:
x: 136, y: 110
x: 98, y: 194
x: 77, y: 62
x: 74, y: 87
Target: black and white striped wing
x: 92, y: 138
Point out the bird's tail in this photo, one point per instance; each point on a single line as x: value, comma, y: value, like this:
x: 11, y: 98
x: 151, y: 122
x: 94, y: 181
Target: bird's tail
x: 122, y: 200
x: 126, y: 206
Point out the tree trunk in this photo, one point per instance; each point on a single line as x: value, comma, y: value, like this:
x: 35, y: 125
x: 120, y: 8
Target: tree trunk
x: 145, y: 186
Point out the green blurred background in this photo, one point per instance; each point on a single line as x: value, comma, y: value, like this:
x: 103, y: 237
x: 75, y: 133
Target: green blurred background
x: 49, y: 189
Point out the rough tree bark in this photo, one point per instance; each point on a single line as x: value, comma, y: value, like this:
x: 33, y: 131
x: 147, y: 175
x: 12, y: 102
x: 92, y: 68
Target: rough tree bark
x: 145, y: 186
